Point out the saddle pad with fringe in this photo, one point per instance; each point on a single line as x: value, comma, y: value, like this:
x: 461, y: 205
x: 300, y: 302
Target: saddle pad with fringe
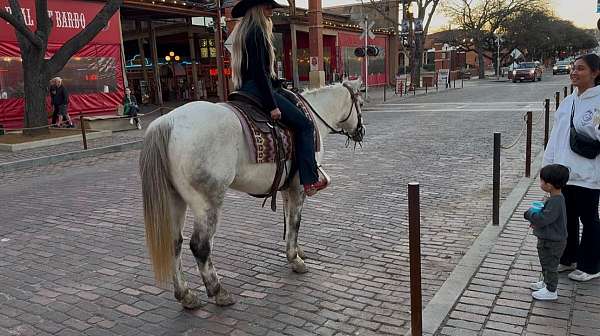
x: 261, y: 143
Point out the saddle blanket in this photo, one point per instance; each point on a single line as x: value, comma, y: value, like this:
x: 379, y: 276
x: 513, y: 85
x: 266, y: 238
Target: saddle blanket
x: 261, y: 144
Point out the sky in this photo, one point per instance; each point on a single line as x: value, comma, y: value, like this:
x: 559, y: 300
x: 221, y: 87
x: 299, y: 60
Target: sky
x: 581, y: 12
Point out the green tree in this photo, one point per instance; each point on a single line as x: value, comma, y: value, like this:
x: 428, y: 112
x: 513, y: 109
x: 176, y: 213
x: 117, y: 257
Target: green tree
x: 38, y: 70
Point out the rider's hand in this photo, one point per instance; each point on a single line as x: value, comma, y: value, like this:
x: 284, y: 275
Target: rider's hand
x: 276, y: 114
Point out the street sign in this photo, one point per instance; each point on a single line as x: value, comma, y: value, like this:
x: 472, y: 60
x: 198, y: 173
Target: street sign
x: 405, y: 27
x: 443, y: 77
x: 418, y: 26
x: 314, y: 63
x: 229, y: 44
x: 367, y: 29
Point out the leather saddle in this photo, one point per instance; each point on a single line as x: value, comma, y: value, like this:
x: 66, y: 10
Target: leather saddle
x: 251, y: 106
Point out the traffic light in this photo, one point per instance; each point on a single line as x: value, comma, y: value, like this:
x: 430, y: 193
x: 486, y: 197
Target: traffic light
x: 359, y: 52
x: 371, y: 51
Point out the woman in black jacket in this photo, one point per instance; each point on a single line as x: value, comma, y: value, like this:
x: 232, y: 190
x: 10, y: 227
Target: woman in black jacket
x: 252, y: 63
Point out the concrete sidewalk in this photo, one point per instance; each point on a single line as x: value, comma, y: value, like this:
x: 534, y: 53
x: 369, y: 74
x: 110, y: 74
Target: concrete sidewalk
x: 116, y: 139
x: 498, y: 302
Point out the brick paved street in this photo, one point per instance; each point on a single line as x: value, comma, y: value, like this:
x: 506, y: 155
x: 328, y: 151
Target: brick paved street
x: 498, y: 300
x: 72, y: 242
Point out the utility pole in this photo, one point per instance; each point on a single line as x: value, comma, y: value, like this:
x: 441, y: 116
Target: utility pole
x: 366, y: 56
x: 498, y: 56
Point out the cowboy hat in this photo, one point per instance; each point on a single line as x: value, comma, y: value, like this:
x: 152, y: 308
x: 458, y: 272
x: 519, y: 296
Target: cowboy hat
x: 243, y: 6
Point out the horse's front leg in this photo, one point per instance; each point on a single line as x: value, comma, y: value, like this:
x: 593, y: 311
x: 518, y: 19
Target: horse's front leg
x: 294, y: 200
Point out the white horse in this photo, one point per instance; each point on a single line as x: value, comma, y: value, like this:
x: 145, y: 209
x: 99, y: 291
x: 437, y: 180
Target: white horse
x: 191, y: 156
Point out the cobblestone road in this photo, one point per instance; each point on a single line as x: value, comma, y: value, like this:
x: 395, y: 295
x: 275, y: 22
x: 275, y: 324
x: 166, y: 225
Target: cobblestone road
x: 74, y: 261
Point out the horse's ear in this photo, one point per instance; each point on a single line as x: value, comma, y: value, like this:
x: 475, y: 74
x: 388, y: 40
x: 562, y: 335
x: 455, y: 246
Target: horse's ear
x: 354, y: 84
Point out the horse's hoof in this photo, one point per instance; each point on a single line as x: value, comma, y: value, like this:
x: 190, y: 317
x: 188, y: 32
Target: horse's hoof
x: 298, y: 266
x: 224, y: 298
x: 300, y: 252
x: 191, y: 300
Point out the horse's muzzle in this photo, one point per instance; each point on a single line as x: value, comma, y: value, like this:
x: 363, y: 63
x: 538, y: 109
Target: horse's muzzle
x: 358, y: 134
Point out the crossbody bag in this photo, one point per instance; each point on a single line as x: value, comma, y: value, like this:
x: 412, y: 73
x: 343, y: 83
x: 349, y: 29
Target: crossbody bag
x: 582, y: 144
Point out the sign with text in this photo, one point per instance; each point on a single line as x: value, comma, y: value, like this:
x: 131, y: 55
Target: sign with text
x: 69, y: 17
x: 443, y: 77
x: 314, y: 63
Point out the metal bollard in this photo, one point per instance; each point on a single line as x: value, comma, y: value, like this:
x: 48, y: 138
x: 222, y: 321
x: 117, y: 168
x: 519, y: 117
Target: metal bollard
x: 565, y: 92
x: 546, y: 122
x: 384, y: 89
x: 557, y: 98
x: 462, y: 82
x: 426, y: 88
x: 83, y: 136
x: 414, y: 90
x: 454, y: 84
x: 528, y: 145
x: 414, y: 241
x: 496, y: 181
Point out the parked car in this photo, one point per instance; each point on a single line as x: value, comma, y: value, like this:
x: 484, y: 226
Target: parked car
x: 561, y: 67
x: 526, y: 71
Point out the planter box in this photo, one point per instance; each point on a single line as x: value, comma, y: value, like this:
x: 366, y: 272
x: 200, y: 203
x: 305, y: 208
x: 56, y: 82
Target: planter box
x: 51, y: 141
x: 113, y: 123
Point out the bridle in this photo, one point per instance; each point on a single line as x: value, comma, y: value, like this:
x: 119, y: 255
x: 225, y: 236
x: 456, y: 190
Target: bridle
x: 358, y: 135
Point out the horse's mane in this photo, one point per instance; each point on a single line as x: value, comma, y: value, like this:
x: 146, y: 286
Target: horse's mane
x: 327, y: 87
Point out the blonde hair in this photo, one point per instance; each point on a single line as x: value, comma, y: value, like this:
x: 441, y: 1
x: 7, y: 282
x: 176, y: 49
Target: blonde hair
x: 254, y: 19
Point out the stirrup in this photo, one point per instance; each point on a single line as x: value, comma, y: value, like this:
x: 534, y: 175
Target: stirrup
x: 325, y: 175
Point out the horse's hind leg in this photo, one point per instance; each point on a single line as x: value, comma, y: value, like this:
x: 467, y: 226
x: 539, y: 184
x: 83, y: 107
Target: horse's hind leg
x: 294, y: 199
x: 201, y: 244
x: 183, y: 294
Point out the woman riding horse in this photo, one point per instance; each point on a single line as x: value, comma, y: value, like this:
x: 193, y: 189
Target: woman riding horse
x: 253, y: 69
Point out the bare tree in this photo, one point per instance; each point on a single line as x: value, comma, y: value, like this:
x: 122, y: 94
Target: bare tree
x: 425, y: 11
x: 37, y: 70
x: 480, y: 19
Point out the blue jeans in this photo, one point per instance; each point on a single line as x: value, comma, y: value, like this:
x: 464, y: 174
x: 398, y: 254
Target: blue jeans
x: 304, y: 142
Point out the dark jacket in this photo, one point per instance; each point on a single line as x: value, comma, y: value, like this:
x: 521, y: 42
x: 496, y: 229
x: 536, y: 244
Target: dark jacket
x: 59, y: 95
x: 256, y: 67
x: 129, y: 103
x: 551, y: 222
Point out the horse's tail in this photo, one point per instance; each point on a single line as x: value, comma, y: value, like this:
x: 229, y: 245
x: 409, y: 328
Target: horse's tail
x: 156, y: 193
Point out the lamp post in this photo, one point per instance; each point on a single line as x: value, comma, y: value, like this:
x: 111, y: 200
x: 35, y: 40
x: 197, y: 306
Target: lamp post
x: 498, y: 40
x: 172, y: 58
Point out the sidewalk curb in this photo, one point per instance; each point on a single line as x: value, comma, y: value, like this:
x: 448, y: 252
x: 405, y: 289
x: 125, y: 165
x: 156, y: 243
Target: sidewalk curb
x: 393, y: 98
x: 48, y: 160
x: 445, y: 298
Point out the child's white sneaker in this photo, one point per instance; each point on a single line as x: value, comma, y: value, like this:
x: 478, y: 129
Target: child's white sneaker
x: 545, y: 295
x: 131, y: 121
x: 536, y: 286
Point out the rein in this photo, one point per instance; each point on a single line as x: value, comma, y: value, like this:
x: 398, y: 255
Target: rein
x: 357, y: 137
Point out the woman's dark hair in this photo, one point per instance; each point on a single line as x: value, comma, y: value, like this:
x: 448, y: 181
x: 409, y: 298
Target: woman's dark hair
x: 593, y: 61
x: 555, y: 174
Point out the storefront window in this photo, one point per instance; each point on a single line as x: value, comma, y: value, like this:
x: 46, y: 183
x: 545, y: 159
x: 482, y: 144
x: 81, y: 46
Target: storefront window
x: 353, y: 65
x: 279, y: 61
x: 81, y: 75
x: 303, y: 63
